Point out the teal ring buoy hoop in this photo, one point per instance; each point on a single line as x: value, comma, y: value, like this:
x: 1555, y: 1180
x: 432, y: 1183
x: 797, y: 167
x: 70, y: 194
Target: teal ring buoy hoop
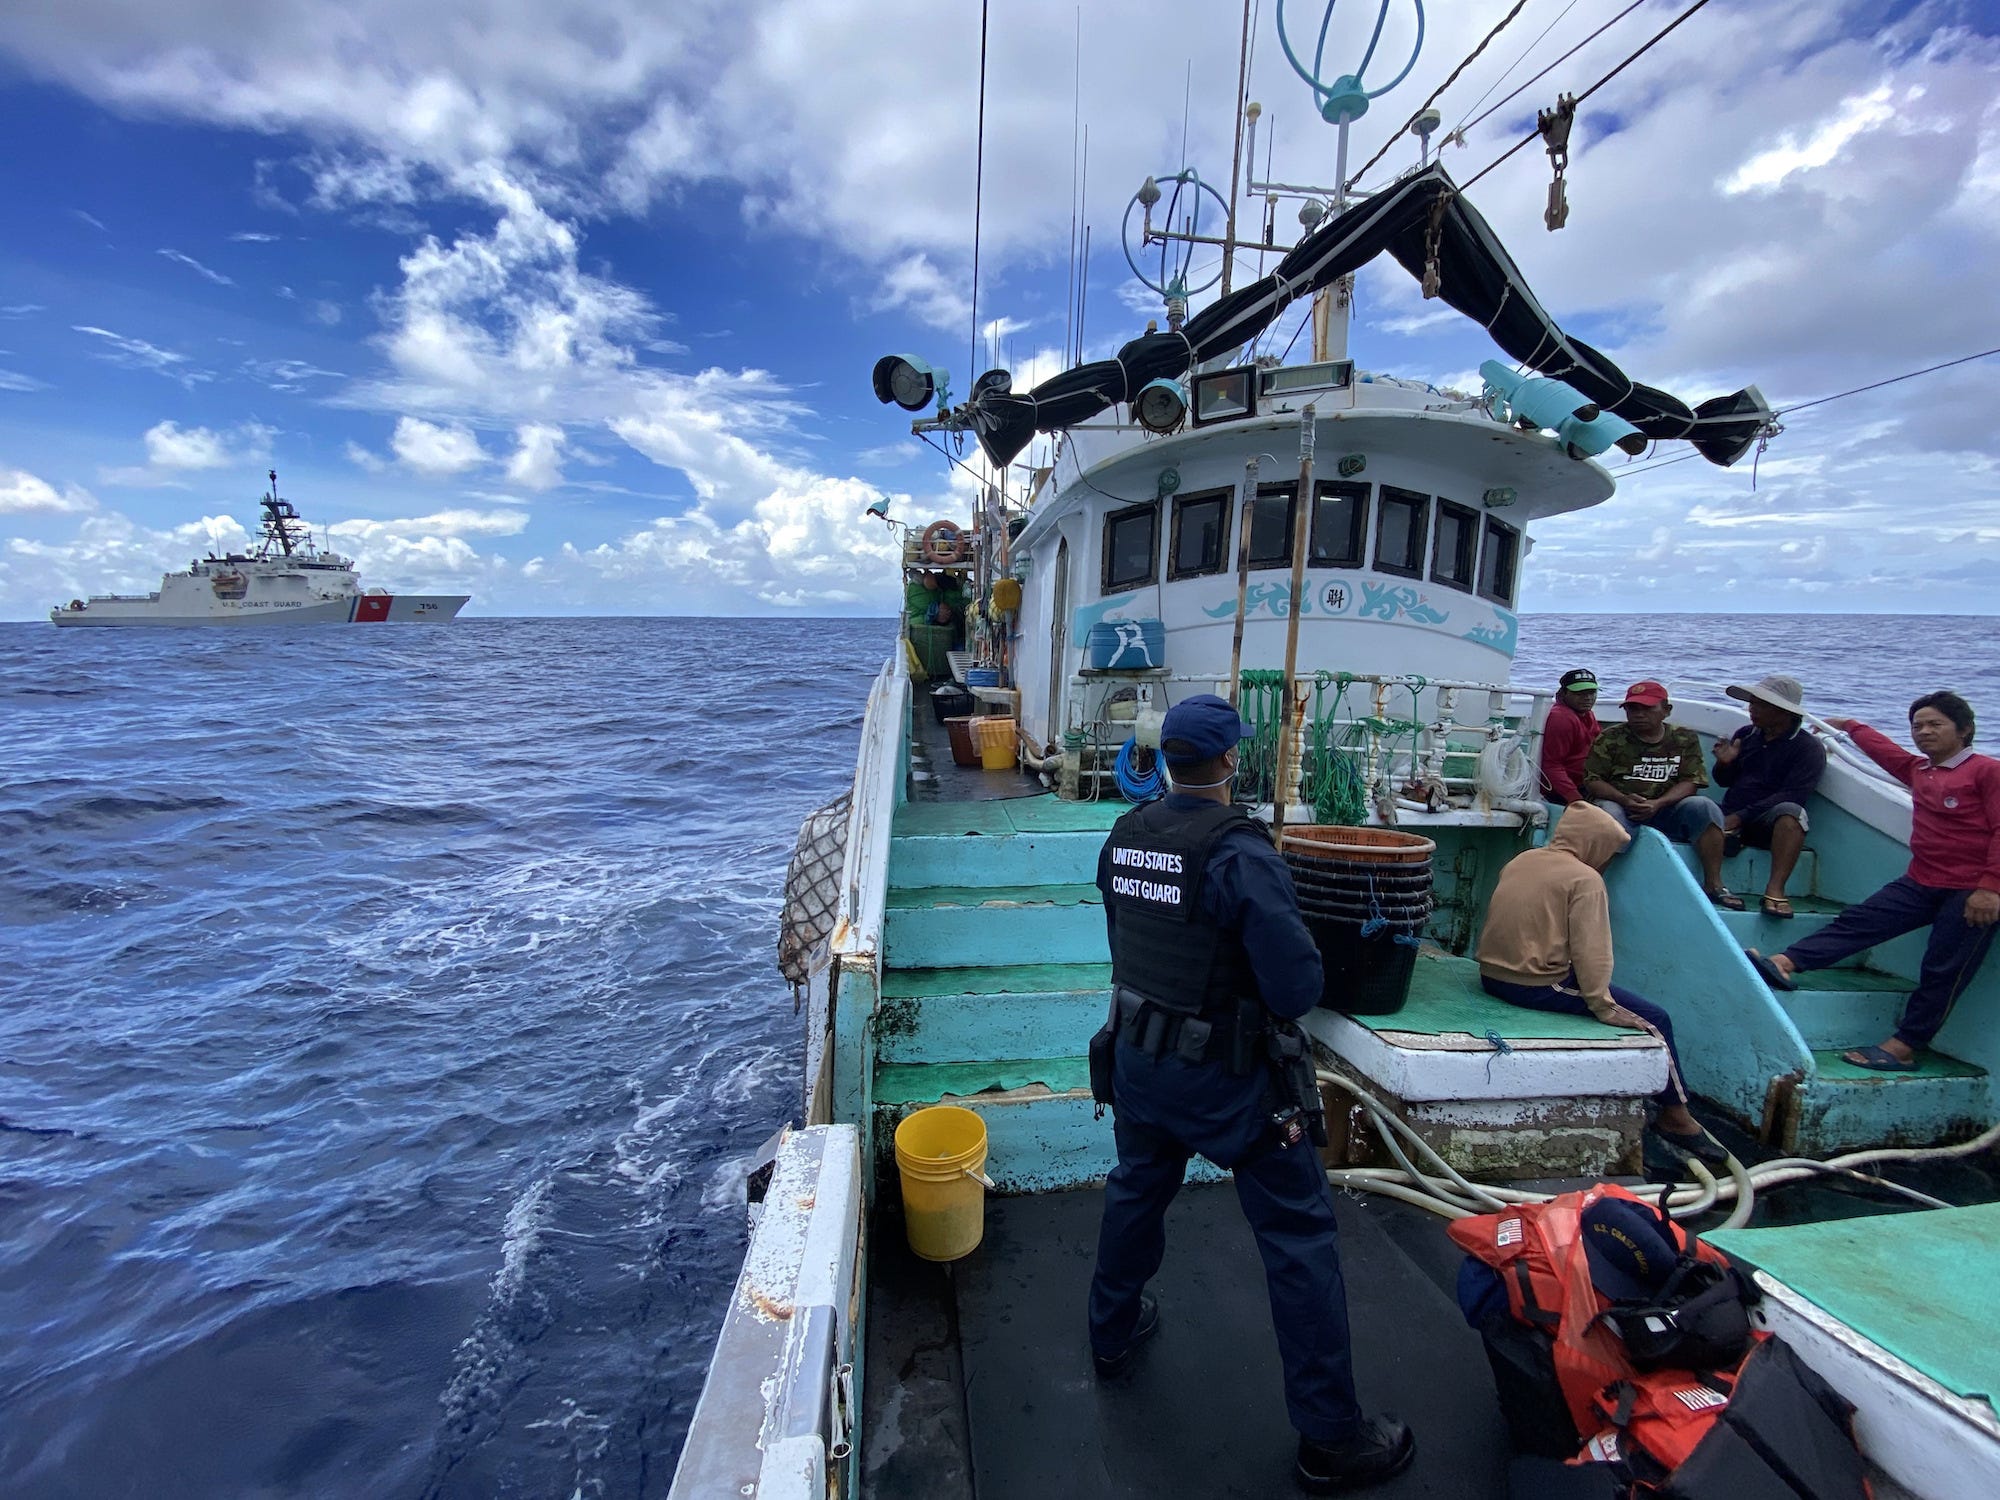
x: 1346, y: 98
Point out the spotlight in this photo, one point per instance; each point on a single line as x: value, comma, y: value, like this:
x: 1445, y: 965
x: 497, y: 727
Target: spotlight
x: 905, y: 380
x: 1585, y: 428
x: 1161, y: 405
x: 1586, y: 438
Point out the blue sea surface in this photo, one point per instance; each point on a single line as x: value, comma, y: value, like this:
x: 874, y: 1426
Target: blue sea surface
x: 386, y: 1017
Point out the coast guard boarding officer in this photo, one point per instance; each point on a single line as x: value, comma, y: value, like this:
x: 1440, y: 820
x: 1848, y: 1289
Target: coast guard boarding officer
x: 1207, y: 948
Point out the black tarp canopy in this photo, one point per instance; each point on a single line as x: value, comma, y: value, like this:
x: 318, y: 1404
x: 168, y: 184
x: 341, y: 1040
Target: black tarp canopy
x: 1421, y: 220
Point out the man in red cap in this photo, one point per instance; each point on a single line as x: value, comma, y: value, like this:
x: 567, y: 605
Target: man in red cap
x: 1646, y: 773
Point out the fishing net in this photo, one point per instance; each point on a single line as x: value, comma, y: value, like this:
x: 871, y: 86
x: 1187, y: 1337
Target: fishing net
x: 812, y: 892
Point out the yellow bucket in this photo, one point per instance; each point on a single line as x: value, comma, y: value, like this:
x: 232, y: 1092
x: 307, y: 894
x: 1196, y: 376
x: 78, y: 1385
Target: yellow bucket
x: 941, y: 1156
x: 996, y: 743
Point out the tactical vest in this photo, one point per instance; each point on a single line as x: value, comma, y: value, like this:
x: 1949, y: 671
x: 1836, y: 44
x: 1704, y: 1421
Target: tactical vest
x: 1164, y: 943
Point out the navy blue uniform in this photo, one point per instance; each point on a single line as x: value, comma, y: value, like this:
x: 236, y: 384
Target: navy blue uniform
x: 1170, y: 1109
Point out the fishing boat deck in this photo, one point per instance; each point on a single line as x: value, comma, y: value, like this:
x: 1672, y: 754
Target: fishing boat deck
x: 1915, y: 1284
x: 980, y: 1380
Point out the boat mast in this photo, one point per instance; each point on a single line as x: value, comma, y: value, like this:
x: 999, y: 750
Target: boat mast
x: 278, y: 516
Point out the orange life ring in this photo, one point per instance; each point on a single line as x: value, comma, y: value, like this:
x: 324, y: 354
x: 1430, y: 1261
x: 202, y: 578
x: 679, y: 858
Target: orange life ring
x: 944, y: 542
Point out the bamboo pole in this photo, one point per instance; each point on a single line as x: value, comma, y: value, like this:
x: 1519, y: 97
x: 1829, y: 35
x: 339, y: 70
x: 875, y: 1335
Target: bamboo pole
x: 1291, y: 701
x: 1244, y: 511
x: 1236, y: 157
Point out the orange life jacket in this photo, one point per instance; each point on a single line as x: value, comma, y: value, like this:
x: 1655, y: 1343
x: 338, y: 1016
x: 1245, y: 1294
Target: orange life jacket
x: 1538, y: 1250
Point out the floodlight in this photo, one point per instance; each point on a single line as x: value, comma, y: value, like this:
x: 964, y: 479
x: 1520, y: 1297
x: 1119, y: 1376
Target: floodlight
x: 905, y: 380
x: 1588, y: 438
x: 1161, y: 405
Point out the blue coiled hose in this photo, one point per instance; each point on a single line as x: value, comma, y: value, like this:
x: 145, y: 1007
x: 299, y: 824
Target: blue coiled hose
x: 1131, y: 785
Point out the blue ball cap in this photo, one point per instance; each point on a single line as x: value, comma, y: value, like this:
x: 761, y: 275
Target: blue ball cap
x: 1630, y: 1255
x: 1205, y: 722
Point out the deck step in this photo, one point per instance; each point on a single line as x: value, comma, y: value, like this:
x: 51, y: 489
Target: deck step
x: 1752, y: 929
x: 1039, y: 1011
x: 1746, y: 871
x: 975, y: 859
x: 938, y: 927
x: 1849, y: 1107
x: 1841, y: 1008
x: 1042, y: 1130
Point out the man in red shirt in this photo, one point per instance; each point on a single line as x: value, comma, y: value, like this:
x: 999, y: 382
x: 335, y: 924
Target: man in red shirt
x: 1952, y: 885
x: 1567, y: 735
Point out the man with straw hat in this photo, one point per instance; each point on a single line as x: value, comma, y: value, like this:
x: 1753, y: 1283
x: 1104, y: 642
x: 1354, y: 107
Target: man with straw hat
x: 1768, y: 769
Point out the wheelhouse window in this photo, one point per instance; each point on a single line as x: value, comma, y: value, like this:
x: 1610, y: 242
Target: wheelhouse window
x: 1339, y: 525
x: 1455, y: 559
x: 1201, y: 534
x: 1131, y: 547
x: 1402, y: 527
x: 1499, y: 560
x: 1271, y: 526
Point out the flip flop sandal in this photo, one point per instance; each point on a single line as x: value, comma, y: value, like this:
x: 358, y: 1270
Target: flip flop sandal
x: 1700, y: 1144
x: 1878, y: 1060
x: 1778, y: 906
x: 1725, y: 898
x: 1769, y: 972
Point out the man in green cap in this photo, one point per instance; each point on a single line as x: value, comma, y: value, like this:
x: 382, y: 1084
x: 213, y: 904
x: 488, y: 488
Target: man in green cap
x: 1567, y: 736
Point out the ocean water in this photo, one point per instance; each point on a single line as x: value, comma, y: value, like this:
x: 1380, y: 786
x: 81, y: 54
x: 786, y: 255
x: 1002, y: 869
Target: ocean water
x: 386, y: 1017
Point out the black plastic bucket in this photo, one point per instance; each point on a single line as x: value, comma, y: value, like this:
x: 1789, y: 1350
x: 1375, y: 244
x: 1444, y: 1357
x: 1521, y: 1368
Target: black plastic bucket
x: 1363, y: 976
x: 1339, y: 899
x: 951, y: 703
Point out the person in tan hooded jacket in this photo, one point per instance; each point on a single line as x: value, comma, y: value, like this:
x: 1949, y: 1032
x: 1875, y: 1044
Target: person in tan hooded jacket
x: 1546, y: 945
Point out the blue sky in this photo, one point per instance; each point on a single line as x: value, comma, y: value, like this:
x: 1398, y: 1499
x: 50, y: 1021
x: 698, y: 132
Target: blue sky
x: 572, y: 305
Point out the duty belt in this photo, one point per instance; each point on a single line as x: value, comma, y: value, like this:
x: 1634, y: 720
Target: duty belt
x: 1157, y: 1028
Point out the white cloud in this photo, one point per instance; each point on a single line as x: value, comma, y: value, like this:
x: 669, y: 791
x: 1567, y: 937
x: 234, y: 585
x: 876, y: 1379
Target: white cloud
x: 21, y: 491
x: 14, y: 380
x: 20, y: 309
x: 194, y: 265
x: 137, y: 354
x: 326, y: 313
x: 443, y: 523
x: 1855, y: 116
x: 435, y: 451
x: 363, y: 459
x: 254, y: 237
x: 537, y: 462
x: 170, y: 446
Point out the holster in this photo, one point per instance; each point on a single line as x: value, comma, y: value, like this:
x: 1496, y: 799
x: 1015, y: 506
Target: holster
x: 1292, y: 1076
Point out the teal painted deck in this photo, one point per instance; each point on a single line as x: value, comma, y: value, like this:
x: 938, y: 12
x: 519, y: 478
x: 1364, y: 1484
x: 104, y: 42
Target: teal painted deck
x: 1045, y: 814
x: 1924, y: 1285
x: 1446, y: 999
x: 995, y: 974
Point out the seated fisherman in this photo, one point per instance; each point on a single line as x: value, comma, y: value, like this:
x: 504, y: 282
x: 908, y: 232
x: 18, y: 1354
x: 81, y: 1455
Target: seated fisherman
x: 1769, y: 767
x: 1546, y: 945
x: 1952, y: 884
x: 1646, y: 772
x: 1567, y: 736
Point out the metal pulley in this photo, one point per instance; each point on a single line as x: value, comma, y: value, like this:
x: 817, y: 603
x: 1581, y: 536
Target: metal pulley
x: 1554, y: 125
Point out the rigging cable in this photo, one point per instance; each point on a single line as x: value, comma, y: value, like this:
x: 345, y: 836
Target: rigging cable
x: 1348, y: 186
x: 1873, y: 385
x: 1526, y: 52
x: 978, y: 195
x: 1475, y: 124
x: 1893, y: 379
x: 1534, y: 135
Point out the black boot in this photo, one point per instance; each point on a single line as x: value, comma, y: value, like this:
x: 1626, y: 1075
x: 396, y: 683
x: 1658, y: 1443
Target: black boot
x: 1110, y: 1365
x: 1381, y: 1449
